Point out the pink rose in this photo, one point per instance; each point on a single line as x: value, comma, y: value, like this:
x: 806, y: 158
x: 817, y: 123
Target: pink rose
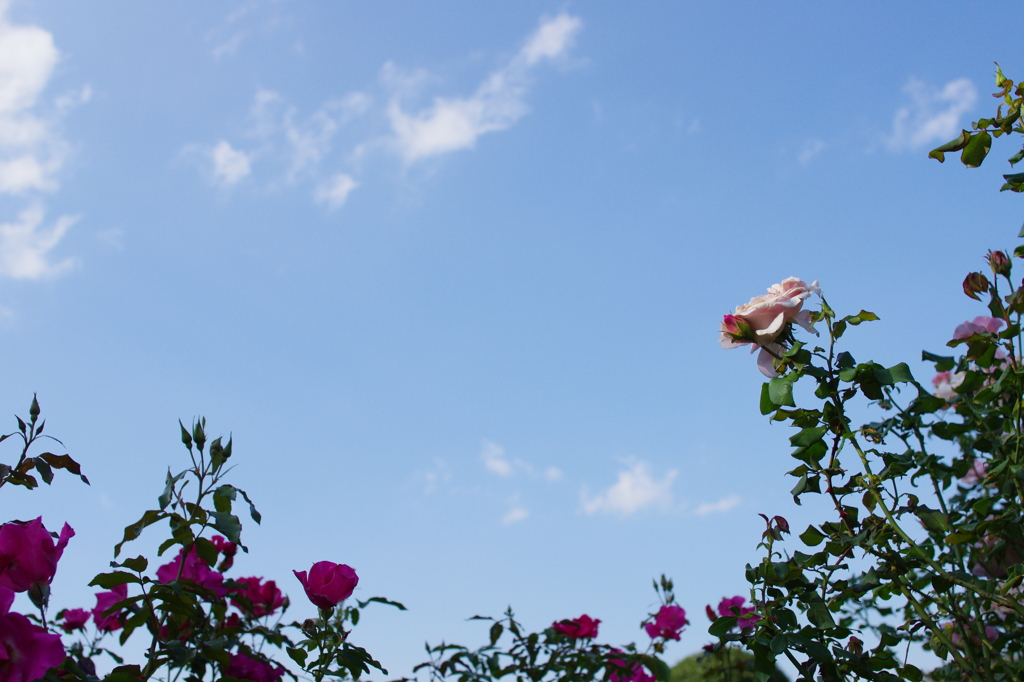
x: 245, y: 667
x: 105, y: 600
x: 27, y: 554
x: 620, y: 671
x: 26, y: 650
x: 196, y: 570
x: 328, y: 583
x: 734, y: 606
x: 227, y: 549
x: 669, y: 622
x: 980, y: 324
x: 74, y: 619
x: 583, y: 627
x: 765, y: 321
x: 265, y: 596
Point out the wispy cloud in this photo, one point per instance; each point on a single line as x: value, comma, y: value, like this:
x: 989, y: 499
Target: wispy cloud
x: 229, y: 164
x: 25, y: 245
x: 812, y: 147
x: 335, y: 191
x: 933, y: 115
x: 515, y: 515
x: 723, y: 505
x: 292, y: 147
x: 494, y: 459
x: 32, y: 151
x: 451, y: 124
x: 634, y: 490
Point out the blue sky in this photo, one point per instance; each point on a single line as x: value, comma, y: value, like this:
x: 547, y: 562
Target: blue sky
x: 452, y: 273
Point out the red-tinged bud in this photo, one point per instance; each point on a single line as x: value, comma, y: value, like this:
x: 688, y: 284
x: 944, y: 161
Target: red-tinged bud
x: 976, y: 283
x: 1000, y: 263
x: 855, y: 646
x: 737, y: 328
x: 711, y: 613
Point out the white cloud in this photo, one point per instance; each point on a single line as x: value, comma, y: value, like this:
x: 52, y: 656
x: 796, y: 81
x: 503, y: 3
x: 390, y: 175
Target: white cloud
x: 723, y: 505
x: 25, y: 245
x: 310, y: 140
x: 494, y: 459
x: 335, y: 191
x: 32, y: 151
x: 229, y: 164
x: 514, y: 515
x: 634, y: 490
x: 553, y: 474
x: 812, y: 147
x: 933, y: 115
x: 451, y: 124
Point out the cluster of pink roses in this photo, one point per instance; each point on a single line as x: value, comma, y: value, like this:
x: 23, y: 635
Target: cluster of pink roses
x: 28, y: 562
x: 735, y: 606
x: 766, y: 321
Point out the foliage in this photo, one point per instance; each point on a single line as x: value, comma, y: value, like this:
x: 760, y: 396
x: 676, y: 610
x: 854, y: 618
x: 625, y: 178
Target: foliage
x: 924, y: 541
x: 975, y: 144
x: 728, y: 664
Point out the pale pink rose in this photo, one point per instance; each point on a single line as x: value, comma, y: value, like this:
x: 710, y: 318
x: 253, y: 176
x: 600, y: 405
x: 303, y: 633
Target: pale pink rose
x: 946, y: 383
x: 762, y: 321
x: 982, y: 323
x: 976, y: 473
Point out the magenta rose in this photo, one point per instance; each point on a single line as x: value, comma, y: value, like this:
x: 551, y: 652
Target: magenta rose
x: 105, y: 600
x: 28, y: 555
x: 265, y: 597
x: 26, y: 650
x: 328, y: 583
x: 196, y: 570
x: 226, y: 549
x: 669, y: 622
x: 734, y: 606
x: 583, y: 627
x: 74, y: 619
x: 620, y: 671
x: 764, y: 321
x: 245, y: 667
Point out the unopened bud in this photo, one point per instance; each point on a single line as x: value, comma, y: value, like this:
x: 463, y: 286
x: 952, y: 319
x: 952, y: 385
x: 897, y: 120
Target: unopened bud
x: 711, y: 614
x: 855, y: 646
x: 999, y: 262
x: 976, y: 283
x: 737, y: 328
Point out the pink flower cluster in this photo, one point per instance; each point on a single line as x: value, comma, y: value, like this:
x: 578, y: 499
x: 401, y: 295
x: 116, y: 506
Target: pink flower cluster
x: 734, y: 606
x: 28, y: 561
x: 668, y: 623
x: 583, y: 627
x: 621, y: 671
x: 766, y: 320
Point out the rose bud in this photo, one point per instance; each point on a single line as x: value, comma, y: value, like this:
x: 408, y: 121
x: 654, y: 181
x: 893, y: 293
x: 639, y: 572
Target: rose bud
x: 976, y: 283
x: 737, y: 328
x: 999, y: 263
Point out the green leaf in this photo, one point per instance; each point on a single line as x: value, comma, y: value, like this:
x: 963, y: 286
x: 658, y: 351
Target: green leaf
x: 932, y: 519
x: 819, y: 615
x: 138, y: 564
x: 844, y: 360
x: 862, y: 316
x: 658, y: 667
x: 496, y: 631
x: 954, y: 145
x: 767, y: 406
x: 807, y: 436
x: 228, y: 524
x: 780, y: 391
x: 298, y: 655
x: 722, y: 625
x: 113, y: 579
x: 976, y: 150
x: 943, y: 363
x: 812, y: 537
x: 901, y: 373
x: 135, y: 530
